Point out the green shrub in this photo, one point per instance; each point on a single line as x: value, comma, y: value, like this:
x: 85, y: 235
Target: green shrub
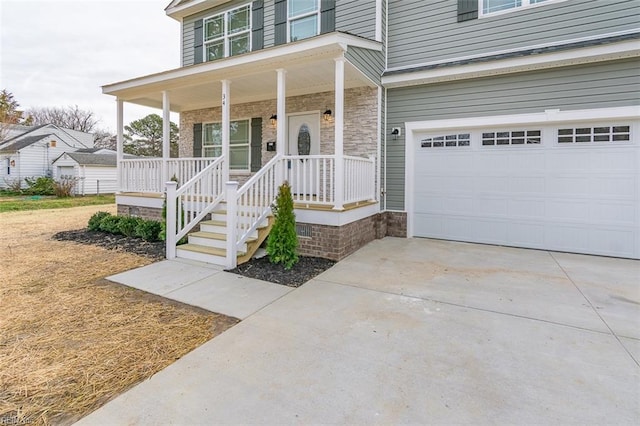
x: 110, y: 224
x: 282, y: 244
x: 40, y: 186
x: 148, y: 230
x: 94, y: 221
x: 128, y: 224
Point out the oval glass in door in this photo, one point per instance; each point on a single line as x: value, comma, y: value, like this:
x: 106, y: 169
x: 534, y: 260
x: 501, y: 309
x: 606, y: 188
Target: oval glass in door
x: 304, y: 140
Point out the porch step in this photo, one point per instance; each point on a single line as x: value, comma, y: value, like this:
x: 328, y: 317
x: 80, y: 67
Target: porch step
x: 214, y: 255
x: 214, y: 239
x: 209, y: 244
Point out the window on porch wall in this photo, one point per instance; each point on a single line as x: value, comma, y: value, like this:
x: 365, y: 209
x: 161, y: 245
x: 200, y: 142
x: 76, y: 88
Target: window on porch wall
x: 239, y: 143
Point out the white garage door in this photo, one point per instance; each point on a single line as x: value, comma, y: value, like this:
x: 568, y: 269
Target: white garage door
x: 567, y: 187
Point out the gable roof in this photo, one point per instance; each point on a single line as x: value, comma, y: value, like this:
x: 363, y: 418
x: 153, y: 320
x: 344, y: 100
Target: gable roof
x: 17, y: 145
x: 31, y: 129
x: 91, y: 159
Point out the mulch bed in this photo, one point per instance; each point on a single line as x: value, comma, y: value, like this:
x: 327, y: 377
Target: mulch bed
x: 303, y: 271
x: 260, y: 268
x: 151, y: 249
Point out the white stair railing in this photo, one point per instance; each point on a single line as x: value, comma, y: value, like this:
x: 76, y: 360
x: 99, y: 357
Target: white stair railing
x: 192, y: 202
x: 250, y: 205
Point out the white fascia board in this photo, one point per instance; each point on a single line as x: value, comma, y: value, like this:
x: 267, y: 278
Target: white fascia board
x: 333, y: 42
x: 191, y: 7
x: 621, y: 50
x: 547, y: 117
x: 335, y: 218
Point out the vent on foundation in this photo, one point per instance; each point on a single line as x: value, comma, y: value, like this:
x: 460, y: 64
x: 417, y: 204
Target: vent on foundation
x: 303, y: 230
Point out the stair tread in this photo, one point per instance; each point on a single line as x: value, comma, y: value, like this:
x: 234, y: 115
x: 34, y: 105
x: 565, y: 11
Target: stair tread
x: 215, y: 236
x: 206, y: 250
x: 222, y: 223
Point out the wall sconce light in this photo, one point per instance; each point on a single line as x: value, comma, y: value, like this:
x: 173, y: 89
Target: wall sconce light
x: 395, y: 131
x: 327, y: 115
x: 273, y: 119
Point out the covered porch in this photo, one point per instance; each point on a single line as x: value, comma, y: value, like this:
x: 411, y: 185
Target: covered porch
x: 290, y: 101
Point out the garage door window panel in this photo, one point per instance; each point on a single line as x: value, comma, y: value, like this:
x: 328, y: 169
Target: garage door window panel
x: 450, y: 141
x: 605, y: 134
x: 515, y: 137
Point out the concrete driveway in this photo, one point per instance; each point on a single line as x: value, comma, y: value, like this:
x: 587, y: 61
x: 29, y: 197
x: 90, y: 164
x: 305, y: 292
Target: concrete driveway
x: 419, y: 331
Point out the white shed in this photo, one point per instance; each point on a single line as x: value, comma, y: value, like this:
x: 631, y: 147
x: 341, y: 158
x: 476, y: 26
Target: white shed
x: 95, y: 173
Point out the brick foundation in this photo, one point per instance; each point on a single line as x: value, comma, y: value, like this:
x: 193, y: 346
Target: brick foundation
x: 137, y: 211
x: 396, y: 224
x: 338, y: 242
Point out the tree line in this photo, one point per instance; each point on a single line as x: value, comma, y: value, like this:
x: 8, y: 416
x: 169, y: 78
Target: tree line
x: 143, y: 137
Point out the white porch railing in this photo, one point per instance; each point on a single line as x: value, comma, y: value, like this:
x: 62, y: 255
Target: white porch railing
x: 311, y: 178
x: 359, y: 179
x: 189, y: 204
x: 146, y: 174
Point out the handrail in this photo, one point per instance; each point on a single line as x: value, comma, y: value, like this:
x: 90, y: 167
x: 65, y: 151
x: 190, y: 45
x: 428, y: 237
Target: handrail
x: 192, y: 202
x: 249, y: 206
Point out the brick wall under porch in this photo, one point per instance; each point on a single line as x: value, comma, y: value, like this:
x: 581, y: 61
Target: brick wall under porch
x: 338, y: 242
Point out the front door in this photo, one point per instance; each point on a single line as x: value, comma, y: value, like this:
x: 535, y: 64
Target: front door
x: 303, y: 141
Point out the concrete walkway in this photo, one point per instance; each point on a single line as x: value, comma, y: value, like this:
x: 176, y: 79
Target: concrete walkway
x: 417, y: 331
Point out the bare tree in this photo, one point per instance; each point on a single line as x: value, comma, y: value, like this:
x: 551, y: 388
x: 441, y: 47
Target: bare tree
x: 71, y: 117
x: 104, y: 139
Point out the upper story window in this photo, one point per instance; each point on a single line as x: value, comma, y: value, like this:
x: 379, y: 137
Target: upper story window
x: 303, y: 19
x: 227, y: 33
x: 492, y: 6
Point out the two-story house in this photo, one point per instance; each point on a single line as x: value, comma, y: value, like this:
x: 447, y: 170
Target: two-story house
x: 511, y: 122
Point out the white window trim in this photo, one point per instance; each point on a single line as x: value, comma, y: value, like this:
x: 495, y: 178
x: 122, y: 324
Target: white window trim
x: 226, y: 35
x: 248, y: 120
x: 526, y: 4
x: 301, y: 16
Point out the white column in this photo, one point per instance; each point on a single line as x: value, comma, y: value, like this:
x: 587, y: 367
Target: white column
x: 281, y: 124
x: 119, y: 141
x: 171, y: 220
x: 339, y: 133
x: 166, y: 136
x: 226, y: 123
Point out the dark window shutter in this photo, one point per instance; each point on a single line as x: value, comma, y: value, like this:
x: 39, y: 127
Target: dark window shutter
x: 280, y: 22
x: 327, y: 16
x: 467, y: 10
x: 198, y: 36
x: 197, y: 140
x: 257, y: 25
x: 256, y: 144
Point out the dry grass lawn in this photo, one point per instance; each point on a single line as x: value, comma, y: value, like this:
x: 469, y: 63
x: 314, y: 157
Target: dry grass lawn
x: 70, y: 341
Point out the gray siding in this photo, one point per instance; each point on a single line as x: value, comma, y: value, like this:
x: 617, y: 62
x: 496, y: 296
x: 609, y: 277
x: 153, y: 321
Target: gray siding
x: 370, y: 62
x: 356, y: 17
x: 269, y: 19
x: 425, y: 31
x: 603, y: 85
x: 187, y: 26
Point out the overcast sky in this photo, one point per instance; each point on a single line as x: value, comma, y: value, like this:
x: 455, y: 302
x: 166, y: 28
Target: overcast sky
x: 59, y: 53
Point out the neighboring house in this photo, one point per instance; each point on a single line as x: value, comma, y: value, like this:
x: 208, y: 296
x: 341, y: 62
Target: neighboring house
x: 492, y: 121
x: 30, y: 152
x: 94, y: 170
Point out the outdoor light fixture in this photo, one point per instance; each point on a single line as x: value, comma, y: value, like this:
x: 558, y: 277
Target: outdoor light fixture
x: 327, y: 115
x: 395, y: 132
x: 273, y: 119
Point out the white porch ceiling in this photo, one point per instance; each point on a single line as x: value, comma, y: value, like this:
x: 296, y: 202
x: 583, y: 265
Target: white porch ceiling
x: 310, y: 68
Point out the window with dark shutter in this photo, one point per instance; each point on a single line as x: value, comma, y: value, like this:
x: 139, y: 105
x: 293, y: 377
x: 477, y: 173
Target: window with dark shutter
x: 327, y: 16
x: 197, y: 140
x: 256, y: 144
x: 280, y: 22
x: 467, y: 10
x: 197, y: 44
x: 257, y: 25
